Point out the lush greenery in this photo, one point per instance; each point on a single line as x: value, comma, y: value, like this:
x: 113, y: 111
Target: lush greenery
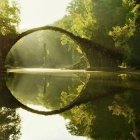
x: 112, y: 108
x: 108, y: 105
x: 109, y: 23
x: 112, y: 24
x: 9, y: 124
x: 9, y: 19
x: 9, y: 119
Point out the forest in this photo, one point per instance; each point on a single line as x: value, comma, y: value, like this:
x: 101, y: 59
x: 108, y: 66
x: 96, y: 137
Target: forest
x: 108, y: 32
x: 93, y: 34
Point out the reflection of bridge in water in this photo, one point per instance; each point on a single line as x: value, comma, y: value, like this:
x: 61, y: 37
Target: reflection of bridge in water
x: 8, y: 100
x: 109, y: 89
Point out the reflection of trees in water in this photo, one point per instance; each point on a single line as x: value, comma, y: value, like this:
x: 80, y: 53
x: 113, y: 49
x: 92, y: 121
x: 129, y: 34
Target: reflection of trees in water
x: 106, y: 108
x: 9, y: 119
x: 120, y: 107
x: 9, y: 124
x: 52, y: 98
x: 43, y: 89
x: 55, y: 88
x: 111, y: 110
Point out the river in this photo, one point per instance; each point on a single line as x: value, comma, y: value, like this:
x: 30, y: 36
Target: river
x: 103, y: 105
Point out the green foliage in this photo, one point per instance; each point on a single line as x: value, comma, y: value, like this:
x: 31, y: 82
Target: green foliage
x: 113, y: 24
x: 9, y: 17
x: 122, y: 109
x: 81, y: 18
x: 126, y: 36
x: 9, y: 124
x: 9, y: 20
x: 112, y: 116
x: 81, y: 124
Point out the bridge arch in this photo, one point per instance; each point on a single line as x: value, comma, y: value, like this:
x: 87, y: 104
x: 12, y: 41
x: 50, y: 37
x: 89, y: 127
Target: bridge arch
x: 75, y: 38
x: 7, y: 99
x: 96, y: 54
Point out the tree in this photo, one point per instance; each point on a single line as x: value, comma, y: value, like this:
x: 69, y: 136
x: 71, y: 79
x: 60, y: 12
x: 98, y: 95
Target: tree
x: 9, y: 124
x: 111, y: 38
x: 85, y: 19
x: 9, y: 17
x: 79, y: 20
x: 111, y: 110
x: 113, y: 24
x: 126, y: 36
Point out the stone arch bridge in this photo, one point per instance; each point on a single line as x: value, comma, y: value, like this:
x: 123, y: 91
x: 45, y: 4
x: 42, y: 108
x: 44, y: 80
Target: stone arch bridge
x: 97, y: 55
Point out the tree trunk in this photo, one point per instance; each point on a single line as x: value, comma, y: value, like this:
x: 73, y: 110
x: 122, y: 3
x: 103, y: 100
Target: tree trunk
x: 1, y: 62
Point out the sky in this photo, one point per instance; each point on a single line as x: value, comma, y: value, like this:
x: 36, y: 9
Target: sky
x: 39, y: 127
x: 35, y: 13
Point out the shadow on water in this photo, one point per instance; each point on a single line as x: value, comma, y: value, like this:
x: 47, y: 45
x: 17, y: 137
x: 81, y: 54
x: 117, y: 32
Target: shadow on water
x: 10, y: 101
x: 106, y: 106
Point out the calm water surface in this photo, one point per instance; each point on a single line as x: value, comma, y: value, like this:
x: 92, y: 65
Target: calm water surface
x: 98, y: 105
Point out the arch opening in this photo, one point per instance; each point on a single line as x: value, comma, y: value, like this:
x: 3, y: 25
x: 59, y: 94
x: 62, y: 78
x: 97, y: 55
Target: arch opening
x: 48, y: 40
